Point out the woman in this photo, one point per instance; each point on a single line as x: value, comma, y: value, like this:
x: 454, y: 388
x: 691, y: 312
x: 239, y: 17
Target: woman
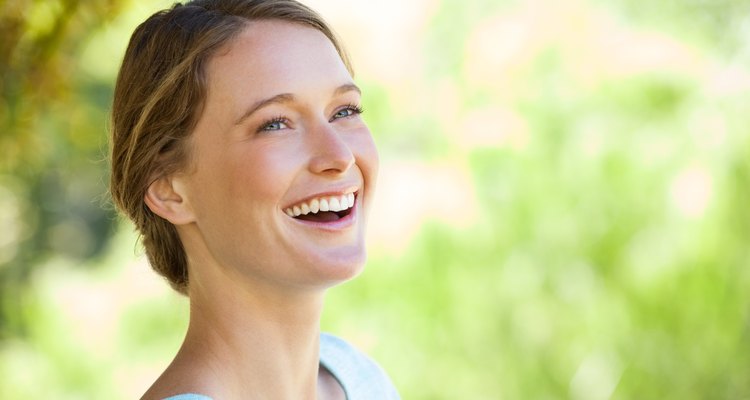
x: 239, y: 152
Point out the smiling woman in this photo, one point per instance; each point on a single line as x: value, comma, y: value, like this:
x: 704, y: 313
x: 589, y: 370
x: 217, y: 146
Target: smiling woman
x: 239, y: 152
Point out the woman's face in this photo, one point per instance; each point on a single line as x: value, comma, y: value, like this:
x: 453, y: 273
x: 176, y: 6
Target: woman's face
x: 280, y: 135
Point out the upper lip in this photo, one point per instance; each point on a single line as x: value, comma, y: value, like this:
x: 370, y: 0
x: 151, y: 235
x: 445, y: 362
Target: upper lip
x: 329, y: 193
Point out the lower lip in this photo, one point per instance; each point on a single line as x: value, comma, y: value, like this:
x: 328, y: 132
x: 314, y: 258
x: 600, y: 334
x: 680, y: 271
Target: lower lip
x: 338, y: 225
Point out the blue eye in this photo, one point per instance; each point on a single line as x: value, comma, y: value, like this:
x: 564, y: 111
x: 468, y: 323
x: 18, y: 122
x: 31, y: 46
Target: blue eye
x: 347, y: 111
x: 344, y: 113
x: 275, y: 124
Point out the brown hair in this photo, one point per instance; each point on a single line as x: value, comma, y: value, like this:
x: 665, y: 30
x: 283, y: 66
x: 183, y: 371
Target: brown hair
x: 159, y: 97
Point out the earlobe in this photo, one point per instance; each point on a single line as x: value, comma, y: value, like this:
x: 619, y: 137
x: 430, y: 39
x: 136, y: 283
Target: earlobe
x: 165, y: 198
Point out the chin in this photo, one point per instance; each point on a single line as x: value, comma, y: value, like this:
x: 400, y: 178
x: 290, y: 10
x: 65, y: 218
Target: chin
x: 340, y: 268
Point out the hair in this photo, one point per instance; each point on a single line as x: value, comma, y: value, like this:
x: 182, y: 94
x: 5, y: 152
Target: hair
x: 159, y: 96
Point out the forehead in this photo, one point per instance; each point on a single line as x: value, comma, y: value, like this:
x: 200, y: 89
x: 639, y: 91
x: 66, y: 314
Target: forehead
x: 272, y: 56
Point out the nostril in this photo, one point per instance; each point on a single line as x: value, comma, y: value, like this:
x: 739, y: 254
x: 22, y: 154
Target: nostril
x: 334, y: 166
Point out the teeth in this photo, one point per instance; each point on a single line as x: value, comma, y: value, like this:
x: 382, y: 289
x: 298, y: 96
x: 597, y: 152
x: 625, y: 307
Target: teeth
x: 333, y: 203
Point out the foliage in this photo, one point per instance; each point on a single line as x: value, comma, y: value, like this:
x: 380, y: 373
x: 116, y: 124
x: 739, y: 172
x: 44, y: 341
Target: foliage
x: 52, y: 124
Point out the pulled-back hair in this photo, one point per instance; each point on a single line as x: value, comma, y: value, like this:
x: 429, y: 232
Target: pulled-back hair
x: 159, y: 96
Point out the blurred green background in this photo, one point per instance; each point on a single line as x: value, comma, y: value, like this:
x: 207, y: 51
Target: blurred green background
x: 562, y: 213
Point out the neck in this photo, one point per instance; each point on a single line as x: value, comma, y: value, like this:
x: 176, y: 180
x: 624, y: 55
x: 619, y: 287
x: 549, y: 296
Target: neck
x: 253, y: 338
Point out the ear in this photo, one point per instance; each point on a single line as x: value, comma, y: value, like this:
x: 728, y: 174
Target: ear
x: 167, y: 198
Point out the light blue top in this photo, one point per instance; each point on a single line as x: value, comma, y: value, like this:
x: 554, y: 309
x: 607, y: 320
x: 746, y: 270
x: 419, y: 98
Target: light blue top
x: 189, y: 396
x: 360, y: 376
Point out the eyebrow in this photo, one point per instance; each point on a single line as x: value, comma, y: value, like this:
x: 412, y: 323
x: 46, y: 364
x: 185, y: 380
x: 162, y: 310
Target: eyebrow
x: 288, y: 97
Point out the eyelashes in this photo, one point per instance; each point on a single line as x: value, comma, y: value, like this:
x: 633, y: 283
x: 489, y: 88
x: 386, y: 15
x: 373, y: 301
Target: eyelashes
x: 280, y: 122
x: 274, y: 124
x: 348, y: 111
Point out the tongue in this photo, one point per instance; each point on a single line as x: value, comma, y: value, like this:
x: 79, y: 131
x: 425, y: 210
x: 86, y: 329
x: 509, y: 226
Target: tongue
x: 324, y: 216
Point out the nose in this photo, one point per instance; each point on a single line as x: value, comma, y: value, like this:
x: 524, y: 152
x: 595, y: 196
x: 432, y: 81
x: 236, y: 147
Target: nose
x: 331, y: 153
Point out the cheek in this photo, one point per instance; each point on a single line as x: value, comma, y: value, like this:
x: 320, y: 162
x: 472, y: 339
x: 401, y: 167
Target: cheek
x: 245, y: 177
x: 264, y: 173
x: 367, y: 157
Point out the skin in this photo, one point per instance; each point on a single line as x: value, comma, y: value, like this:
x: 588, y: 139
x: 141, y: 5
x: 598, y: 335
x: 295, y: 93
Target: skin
x: 257, y: 276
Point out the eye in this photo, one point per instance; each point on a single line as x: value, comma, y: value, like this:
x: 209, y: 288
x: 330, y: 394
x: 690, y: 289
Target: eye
x: 347, y: 111
x: 275, y: 124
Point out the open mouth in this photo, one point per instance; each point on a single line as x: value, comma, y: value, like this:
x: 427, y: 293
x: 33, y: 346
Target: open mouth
x: 323, y: 209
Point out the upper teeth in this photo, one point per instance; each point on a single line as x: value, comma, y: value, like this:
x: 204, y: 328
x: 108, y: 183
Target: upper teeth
x: 332, y: 203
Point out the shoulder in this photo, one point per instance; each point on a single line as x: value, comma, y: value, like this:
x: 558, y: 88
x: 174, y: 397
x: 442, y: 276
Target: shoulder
x: 361, y: 377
